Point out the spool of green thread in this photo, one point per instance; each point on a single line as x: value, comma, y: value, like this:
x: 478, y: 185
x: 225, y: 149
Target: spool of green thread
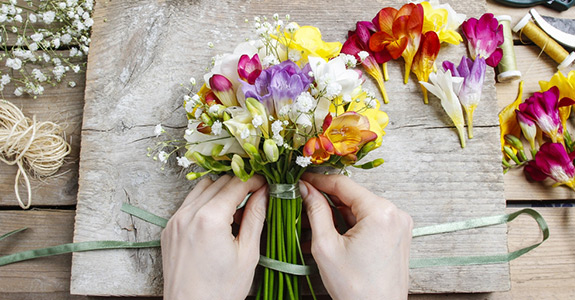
x: 507, y: 67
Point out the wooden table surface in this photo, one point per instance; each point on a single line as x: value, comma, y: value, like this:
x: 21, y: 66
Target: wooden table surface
x: 548, y: 272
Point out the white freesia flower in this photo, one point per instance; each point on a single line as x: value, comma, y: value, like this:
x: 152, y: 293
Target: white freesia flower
x: 446, y: 87
x: 227, y: 64
x: 204, y: 143
x: 334, y: 77
x: 241, y: 127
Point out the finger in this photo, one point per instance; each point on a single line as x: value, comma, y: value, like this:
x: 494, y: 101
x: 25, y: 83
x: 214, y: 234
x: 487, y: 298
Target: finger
x: 318, y: 212
x: 233, y: 193
x: 196, y: 191
x: 351, y: 194
x: 253, y: 219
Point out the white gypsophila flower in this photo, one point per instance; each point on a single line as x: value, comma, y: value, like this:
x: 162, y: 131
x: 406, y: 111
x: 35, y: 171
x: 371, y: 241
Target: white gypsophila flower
x: 39, y: 75
x: 72, y: 84
x: 363, y: 55
x: 66, y: 39
x: 346, y: 98
x: 277, y: 127
x: 294, y: 55
x: 62, y: 5
x: 278, y: 139
x: 18, y: 91
x: 57, y: 61
x: 158, y: 130
x: 73, y: 51
x: 14, y: 29
x: 163, y: 156
x: 303, y: 161
x: 14, y: 63
x: 370, y: 102
x: 193, y: 80
x: 188, y: 132
x: 48, y: 17
x: 18, y: 18
x: 244, y: 134
x: 183, y: 162
x: 291, y: 27
x: 76, y: 69
x: 217, y: 128
x: 285, y: 110
x: 198, y: 113
x: 58, y: 71
x: 71, y: 3
x: 270, y: 60
x: 3, y: 18
x: 36, y: 37
x: 46, y: 57
x: 257, y: 121
x: 189, y: 106
x: 56, y: 42
x: 33, y: 47
x: 33, y: 18
x: 333, y: 89
x: 5, y: 79
x: 305, y: 102
x: 350, y: 60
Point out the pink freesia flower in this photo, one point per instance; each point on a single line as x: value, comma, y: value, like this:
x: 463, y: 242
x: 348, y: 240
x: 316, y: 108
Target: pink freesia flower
x: 543, y: 109
x: 249, y: 68
x: 224, y: 90
x: 553, y: 161
x: 484, y: 37
x: 357, y: 42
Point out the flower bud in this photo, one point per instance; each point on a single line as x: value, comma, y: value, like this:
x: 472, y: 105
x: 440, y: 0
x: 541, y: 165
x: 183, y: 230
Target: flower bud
x: 511, y: 154
x: 271, y: 150
x: 224, y: 90
x: 217, y: 150
x: 195, y: 175
x: 238, y: 167
x: 253, y: 152
x: 370, y: 165
x: 206, y: 119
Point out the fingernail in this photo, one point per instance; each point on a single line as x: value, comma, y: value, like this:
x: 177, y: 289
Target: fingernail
x: 303, y: 189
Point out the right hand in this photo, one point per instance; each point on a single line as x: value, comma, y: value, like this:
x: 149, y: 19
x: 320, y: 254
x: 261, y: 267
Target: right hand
x: 369, y: 261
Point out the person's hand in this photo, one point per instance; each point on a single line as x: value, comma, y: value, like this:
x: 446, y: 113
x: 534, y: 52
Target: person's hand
x: 201, y: 257
x: 369, y: 261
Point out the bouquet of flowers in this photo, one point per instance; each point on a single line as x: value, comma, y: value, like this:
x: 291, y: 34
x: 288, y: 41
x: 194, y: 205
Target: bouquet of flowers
x: 279, y: 104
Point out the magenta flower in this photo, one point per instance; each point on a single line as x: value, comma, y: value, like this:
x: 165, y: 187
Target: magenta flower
x: 278, y: 85
x: 484, y: 37
x: 473, y: 73
x: 543, y: 109
x: 224, y: 90
x: 528, y: 127
x: 249, y: 68
x: 553, y: 161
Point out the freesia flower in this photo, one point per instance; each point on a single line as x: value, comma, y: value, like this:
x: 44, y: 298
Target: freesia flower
x: 278, y: 85
x: 308, y: 41
x: 473, y: 74
x: 566, y: 86
x: 348, y: 132
x: 400, y: 33
x: 445, y: 87
x: 204, y: 143
x: 443, y: 20
x: 224, y: 90
x: 357, y: 42
x: 543, y: 109
x: 333, y: 79
x: 484, y: 37
x: 227, y: 64
x: 553, y: 161
x: 528, y: 128
x: 319, y: 149
x: 249, y: 68
x: 240, y: 126
x: 507, y: 118
x: 424, y: 61
x: 368, y: 106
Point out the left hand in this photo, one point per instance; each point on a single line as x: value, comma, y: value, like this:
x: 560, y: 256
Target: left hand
x: 201, y: 257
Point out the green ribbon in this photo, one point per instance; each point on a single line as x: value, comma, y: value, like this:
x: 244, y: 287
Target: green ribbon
x: 287, y: 191
x: 301, y: 269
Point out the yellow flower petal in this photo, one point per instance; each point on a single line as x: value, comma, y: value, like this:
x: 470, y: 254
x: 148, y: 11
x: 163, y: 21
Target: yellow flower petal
x: 508, y: 120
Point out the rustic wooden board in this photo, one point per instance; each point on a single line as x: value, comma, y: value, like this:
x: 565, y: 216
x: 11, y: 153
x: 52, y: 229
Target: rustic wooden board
x: 142, y: 51
x: 64, y: 105
x: 545, y: 273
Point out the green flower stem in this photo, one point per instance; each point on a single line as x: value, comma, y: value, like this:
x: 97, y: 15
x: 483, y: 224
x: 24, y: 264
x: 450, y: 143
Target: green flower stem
x: 280, y: 245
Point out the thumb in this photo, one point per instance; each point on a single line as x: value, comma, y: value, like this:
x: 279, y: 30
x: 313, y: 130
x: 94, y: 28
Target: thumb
x: 253, y: 219
x: 318, y: 212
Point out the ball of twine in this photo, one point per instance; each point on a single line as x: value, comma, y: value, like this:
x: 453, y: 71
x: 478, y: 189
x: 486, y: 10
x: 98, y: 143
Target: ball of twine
x: 38, y: 146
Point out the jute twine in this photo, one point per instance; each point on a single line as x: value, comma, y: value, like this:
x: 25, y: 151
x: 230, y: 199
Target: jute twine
x: 38, y: 146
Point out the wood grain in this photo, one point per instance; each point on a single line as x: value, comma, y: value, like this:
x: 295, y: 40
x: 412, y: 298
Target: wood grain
x: 547, y: 272
x: 63, y: 105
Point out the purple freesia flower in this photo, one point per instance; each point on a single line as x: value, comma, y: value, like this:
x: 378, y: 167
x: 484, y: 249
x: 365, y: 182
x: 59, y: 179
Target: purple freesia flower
x: 553, y: 161
x: 473, y: 74
x: 484, y: 37
x: 543, y: 109
x: 278, y: 85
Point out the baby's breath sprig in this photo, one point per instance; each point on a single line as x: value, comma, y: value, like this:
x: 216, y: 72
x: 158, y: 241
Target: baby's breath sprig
x: 41, y: 42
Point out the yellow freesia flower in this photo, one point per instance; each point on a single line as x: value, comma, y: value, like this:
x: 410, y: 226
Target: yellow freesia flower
x: 378, y: 119
x: 508, y: 119
x: 566, y: 87
x: 443, y: 20
x: 308, y: 41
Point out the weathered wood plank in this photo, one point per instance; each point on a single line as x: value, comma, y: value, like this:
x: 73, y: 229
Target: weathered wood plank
x: 545, y: 273
x: 64, y: 105
x: 426, y: 171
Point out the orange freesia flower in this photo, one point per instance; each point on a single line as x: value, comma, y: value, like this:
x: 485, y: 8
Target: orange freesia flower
x: 319, y: 148
x: 425, y: 59
x: 348, y: 132
x: 400, y: 33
